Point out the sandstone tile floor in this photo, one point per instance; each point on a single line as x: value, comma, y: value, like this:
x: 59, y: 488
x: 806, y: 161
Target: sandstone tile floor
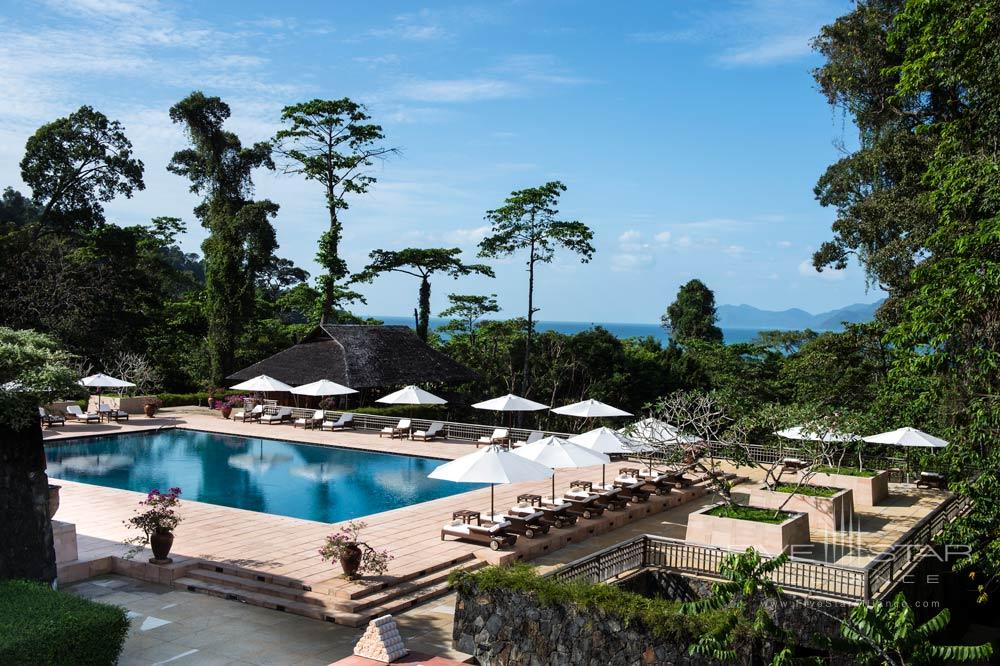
x: 177, y: 627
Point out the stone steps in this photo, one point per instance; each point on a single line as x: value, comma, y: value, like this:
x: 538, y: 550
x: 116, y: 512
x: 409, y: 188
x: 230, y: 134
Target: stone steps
x: 435, y: 580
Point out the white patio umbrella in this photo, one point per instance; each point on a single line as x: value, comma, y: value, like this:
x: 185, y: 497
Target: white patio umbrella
x: 323, y: 387
x: 510, y: 403
x: 803, y: 433
x: 555, y: 453
x: 655, y: 431
x: 492, y: 465
x: 100, y: 380
x: 590, y: 409
x: 604, y: 440
x: 910, y: 437
x: 411, y: 395
x: 262, y: 384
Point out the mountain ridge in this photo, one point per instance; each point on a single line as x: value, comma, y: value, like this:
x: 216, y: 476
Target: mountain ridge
x: 748, y: 316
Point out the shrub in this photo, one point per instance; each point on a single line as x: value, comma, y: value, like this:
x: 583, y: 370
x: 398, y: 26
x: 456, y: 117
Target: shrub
x: 661, y: 617
x: 185, y: 399
x: 750, y: 513
x: 846, y: 471
x: 39, y: 625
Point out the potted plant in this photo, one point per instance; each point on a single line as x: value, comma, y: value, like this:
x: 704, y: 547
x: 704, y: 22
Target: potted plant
x: 150, y: 405
x: 157, y: 518
x: 355, y: 556
x: 232, y: 401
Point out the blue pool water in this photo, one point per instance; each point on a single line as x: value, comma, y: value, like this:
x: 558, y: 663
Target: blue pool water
x: 312, y: 482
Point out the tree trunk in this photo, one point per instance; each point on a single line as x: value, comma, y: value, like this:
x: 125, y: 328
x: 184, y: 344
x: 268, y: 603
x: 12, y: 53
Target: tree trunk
x: 330, y: 259
x: 526, y: 376
x: 26, y: 546
x: 424, y: 310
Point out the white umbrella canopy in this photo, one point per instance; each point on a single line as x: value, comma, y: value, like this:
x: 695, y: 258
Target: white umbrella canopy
x: 605, y: 440
x: 491, y: 465
x: 100, y: 380
x: 555, y: 453
x: 411, y: 395
x: 589, y: 409
x: 510, y: 403
x: 907, y: 437
x: 262, y: 384
x: 655, y: 431
x: 322, y: 387
x: 803, y: 433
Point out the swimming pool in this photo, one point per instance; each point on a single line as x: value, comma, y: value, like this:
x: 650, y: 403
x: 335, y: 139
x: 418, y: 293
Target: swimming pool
x: 321, y: 483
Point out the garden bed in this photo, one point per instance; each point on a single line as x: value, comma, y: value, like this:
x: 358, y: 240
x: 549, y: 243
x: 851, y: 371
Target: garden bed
x: 829, y: 508
x: 744, y: 527
x: 869, y: 488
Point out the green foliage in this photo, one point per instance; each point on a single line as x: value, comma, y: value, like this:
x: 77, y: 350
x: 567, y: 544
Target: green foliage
x: 661, y: 617
x: 750, y: 513
x: 332, y: 143
x: 241, y: 241
x: 40, y: 626
x: 889, y: 633
x: 692, y: 315
x: 34, y: 371
x: 76, y: 163
x: 846, y: 471
x: 805, y: 489
x: 467, y: 310
x: 421, y: 263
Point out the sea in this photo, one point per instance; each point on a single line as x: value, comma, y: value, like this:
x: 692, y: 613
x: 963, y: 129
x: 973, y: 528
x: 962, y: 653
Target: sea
x: 618, y: 329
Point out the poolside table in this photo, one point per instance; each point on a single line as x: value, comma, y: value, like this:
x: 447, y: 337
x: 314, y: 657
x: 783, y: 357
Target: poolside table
x: 467, y: 516
x: 582, y: 485
x: 533, y: 500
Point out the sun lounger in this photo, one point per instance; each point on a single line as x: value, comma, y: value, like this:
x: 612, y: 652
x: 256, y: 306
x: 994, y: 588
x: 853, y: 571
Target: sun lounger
x: 608, y: 499
x: 283, y: 414
x: 310, y: 421
x: 932, y: 480
x: 527, y: 525
x: 533, y: 436
x: 499, y: 436
x: 497, y: 535
x: 401, y: 430
x: 556, y: 516
x: 79, y: 415
x: 106, y: 412
x: 433, y: 432
x: 793, y: 465
x: 343, y: 423
x: 660, y: 483
x: 50, y: 420
x: 631, y: 487
x: 252, y: 414
x: 580, y: 504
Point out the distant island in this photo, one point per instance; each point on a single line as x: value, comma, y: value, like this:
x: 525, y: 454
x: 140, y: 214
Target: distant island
x: 747, y: 316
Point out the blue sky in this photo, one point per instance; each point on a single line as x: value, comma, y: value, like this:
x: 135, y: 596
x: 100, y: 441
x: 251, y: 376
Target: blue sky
x: 689, y: 134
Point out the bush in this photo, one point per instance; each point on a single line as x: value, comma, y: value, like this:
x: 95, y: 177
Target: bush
x: 197, y: 399
x: 39, y: 625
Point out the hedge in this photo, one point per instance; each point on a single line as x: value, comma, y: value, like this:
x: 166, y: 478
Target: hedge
x: 187, y: 399
x: 39, y: 625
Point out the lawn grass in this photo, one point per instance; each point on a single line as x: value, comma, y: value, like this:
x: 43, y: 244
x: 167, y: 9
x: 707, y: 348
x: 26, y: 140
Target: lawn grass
x: 845, y: 471
x: 750, y: 513
x: 806, y: 490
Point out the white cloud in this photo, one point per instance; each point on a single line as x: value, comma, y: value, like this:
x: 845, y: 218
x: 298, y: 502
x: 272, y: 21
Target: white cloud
x: 784, y: 244
x: 806, y: 269
x: 630, y: 236
x: 735, y: 250
x: 780, y: 49
x: 663, y: 237
x: 457, y: 90
x: 468, y: 236
x: 626, y: 262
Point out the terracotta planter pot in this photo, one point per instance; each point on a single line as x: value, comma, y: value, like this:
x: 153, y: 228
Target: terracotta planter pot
x: 226, y: 411
x: 53, y: 499
x: 161, y: 543
x: 350, y: 561
x: 150, y: 410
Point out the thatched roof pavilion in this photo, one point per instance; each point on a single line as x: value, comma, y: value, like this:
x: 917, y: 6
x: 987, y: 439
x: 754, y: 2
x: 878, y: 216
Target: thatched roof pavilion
x: 362, y: 357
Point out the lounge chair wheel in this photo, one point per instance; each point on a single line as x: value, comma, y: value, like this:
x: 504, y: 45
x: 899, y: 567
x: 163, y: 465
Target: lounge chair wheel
x: 529, y: 533
x: 588, y: 515
x: 494, y: 544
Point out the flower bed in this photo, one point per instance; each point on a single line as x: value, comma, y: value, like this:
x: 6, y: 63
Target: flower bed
x: 869, y: 488
x: 830, y: 509
x: 756, y: 527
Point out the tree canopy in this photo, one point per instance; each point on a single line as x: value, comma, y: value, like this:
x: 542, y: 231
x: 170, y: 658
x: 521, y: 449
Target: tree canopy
x: 692, y: 314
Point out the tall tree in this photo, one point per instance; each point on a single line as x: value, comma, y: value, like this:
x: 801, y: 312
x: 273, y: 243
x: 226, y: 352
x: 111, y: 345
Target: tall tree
x: 331, y: 142
x: 420, y: 263
x: 467, y: 310
x: 76, y: 163
x: 241, y: 241
x: 33, y: 371
x: 528, y: 221
x: 692, y: 315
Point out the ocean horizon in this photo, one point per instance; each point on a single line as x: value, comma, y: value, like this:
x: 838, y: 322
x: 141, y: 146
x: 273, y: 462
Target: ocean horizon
x: 617, y: 329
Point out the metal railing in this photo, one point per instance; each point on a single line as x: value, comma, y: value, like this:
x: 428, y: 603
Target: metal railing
x: 451, y: 430
x: 810, y: 577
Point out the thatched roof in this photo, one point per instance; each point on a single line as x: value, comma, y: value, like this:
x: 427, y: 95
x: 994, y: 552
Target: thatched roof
x: 361, y: 357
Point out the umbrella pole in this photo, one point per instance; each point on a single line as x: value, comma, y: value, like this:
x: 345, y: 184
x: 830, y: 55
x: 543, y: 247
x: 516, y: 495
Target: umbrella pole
x: 604, y: 481
x: 492, y: 509
x: 553, y: 487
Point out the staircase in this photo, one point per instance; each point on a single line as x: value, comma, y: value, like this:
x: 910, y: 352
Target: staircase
x: 293, y: 596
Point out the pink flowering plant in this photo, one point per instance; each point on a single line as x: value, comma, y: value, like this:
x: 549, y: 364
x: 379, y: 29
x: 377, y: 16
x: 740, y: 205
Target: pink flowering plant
x: 342, y: 543
x: 157, y: 514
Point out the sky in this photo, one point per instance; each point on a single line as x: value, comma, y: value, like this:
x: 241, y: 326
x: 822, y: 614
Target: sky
x: 690, y: 135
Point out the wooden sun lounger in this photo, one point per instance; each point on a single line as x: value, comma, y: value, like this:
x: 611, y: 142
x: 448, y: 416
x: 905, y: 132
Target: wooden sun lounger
x: 932, y: 480
x: 556, y: 516
x: 433, y: 432
x: 309, y: 421
x: 80, y: 415
x: 497, y: 535
x: 50, y: 420
x: 527, y: 525
x: 610, y: 499
x: 583, y: 506
x: 632, y: 488
x: 343, y: 423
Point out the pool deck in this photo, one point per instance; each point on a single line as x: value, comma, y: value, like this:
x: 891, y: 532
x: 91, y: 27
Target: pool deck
x: 285, y: 549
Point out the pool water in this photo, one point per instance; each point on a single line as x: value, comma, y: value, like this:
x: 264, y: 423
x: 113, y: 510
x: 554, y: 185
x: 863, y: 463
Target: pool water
x: 325, y: 484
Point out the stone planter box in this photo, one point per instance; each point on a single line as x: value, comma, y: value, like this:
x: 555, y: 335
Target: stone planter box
x: 868, y: 491
x: 738, y: 534
x: 132, y: 404
x: 825, y: 513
